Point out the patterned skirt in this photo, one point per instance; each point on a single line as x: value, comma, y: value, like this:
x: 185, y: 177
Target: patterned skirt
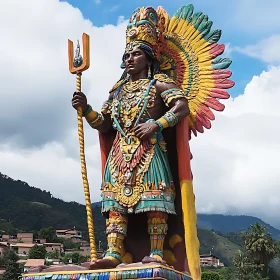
x: 137, y: 176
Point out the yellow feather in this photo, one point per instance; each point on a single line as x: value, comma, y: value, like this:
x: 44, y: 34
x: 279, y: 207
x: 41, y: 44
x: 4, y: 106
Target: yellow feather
x: 203, y: 47
x: 204, y: 58
x: 189, y: 32
x: 172, y: 24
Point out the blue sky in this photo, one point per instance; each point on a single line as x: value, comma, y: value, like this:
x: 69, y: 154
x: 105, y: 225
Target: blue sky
x: 224, y: 15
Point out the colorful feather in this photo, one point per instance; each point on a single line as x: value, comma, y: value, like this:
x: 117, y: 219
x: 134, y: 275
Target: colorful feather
x: 190, y: 56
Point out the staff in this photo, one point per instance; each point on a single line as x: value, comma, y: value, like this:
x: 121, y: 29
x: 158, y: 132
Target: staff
x: 77, y: 65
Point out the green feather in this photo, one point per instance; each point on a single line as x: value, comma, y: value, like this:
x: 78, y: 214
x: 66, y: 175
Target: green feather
x: 214, y: 36
x: 205, y: 28
x: 200, y: 22
x: 195, y: 17
x: 221, y: 63
x: 186, y: 12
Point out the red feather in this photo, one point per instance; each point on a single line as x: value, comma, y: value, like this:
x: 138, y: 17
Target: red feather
x: 207, y: 112
x: 221, y: 74
x: 224, y: 83
x: 219, y: 93
x: 214, y: 104
x: 216, y: 49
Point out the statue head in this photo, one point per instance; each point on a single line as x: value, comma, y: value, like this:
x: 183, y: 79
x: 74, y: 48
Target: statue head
x: 144, y: 35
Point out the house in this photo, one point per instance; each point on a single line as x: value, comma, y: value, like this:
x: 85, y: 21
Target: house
x: 22, y: 249
x: 33, y: 263
x: 210, y: 260
x: 53, y: 247
x: 69, y: 233
x: 25, y: 237
x: 5, y: 237
x: 40, y: 241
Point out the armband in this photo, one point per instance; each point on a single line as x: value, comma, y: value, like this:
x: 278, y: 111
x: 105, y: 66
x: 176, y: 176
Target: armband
x: 170, y: 94
x: 169, y: 119
x: 93, y: 118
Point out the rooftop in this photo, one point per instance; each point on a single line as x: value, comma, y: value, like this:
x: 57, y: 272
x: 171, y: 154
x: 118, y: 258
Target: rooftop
x: 24, y: 245
x: 35, y: 262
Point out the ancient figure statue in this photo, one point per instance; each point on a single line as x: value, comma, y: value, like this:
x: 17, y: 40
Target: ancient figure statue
x: 172, y: 79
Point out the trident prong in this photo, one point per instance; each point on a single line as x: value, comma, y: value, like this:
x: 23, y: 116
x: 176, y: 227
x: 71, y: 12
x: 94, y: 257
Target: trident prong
x: 85, y: 63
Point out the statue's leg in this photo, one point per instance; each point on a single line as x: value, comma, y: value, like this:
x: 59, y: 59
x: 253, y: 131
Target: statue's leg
x: 116, y: 227
x: 157, y: 228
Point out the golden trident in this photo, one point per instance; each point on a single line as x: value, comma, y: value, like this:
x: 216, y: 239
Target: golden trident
x: 77, y: 65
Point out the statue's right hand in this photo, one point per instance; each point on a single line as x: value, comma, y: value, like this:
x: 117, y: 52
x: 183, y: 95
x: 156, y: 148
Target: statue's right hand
x: 79, y: 100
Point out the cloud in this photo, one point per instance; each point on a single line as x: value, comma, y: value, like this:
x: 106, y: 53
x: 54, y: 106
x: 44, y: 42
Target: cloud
x: 266, y: 50
x: 97, y: 2
x: 38, y: 140
x: 235, y: 163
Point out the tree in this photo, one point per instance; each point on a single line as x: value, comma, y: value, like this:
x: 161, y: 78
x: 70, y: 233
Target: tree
x: 48, y: 233
x: 37, y: 252
x: 75, y: 258
x: 260, y: 246
x: 12, y: 271
x: 9, y: 262
x: 246, y: 270
x: 211, y: 276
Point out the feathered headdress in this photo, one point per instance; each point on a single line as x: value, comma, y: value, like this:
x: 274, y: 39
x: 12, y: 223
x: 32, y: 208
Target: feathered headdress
x: 188, y: 51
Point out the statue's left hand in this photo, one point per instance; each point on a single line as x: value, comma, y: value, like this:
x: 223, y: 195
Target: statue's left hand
x: 145, y: 130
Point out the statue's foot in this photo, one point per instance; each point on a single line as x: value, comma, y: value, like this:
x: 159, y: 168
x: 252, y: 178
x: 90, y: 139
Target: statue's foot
x: 103, y: 264
x: 154, y: 258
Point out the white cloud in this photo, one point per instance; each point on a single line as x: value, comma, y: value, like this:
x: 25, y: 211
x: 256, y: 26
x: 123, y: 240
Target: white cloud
x: 97, y: 2
x: 235, y: 163
x: 266, y: 50
x: 38, y: 140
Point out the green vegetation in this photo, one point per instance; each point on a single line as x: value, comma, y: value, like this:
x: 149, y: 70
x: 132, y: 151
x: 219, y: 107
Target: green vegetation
x: 9, y: 262
x: 220, y: 246
x: 25, y: 209
x: 37, y: 252
x: 253, y: 262
x: 28, y: 209
x: 75, y: 258
x: 48, y: 233
x: 211, y: 276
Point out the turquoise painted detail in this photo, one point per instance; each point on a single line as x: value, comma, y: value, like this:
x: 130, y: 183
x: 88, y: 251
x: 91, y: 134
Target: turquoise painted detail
x: 158, y: 174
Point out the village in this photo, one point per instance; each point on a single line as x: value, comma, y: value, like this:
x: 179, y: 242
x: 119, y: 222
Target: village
x: 56, y: 253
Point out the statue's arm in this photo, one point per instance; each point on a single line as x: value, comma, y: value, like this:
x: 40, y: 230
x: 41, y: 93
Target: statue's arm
x: 100, y: 121
x: 175, y: 99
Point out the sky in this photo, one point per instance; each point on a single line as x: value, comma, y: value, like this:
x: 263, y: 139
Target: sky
x: 235, y: 164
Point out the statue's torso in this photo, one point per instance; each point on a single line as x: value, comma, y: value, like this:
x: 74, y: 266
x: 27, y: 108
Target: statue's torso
x: 135, y: 103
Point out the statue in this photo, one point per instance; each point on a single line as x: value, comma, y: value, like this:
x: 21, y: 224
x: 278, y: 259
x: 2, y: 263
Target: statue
x: 172, y: 79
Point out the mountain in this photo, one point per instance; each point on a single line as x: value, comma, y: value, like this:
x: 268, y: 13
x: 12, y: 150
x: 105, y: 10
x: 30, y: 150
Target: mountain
x: 25, y: 208
x: 220, y: 246
x: 226, y: 223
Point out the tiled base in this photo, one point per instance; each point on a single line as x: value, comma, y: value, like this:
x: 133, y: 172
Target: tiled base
x: 145, y: 272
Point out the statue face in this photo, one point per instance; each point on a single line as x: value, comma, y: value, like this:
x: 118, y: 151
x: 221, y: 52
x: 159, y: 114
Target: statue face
x: 135, y: 61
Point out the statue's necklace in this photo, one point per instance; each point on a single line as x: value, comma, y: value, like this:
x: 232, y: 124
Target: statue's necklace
x: 137, y: 85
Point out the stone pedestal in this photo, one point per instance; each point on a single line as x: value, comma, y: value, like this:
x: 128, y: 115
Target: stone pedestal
x: 129, y: 272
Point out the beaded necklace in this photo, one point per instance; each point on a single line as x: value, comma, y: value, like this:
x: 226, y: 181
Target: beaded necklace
x: 128, y: 107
